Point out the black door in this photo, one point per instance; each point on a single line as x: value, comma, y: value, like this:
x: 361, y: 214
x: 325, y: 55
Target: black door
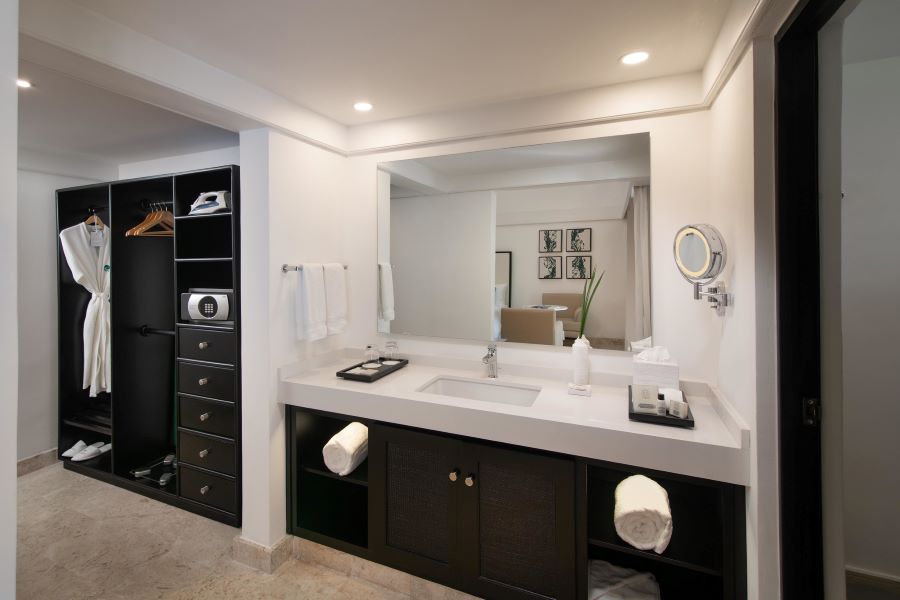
x: 414, y: 480
x: 517, y: 520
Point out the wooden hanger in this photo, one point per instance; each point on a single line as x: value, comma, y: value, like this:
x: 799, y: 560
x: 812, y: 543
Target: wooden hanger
x: 94, y: 220
x: 163, y: 219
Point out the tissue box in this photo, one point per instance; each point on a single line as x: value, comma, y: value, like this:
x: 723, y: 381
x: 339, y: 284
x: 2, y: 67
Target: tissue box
x: 660, y: 373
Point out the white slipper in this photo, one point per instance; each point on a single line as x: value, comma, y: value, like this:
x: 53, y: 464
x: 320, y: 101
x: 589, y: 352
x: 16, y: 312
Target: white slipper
x: 78, y: 447
x: 92, y: 452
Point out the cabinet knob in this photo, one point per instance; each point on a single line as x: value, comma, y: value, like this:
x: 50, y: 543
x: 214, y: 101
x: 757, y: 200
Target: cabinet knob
x: 204, y: 489
x: 203, y: 345
x: 203, y: 381
x: 203, y: 453
x: 204, y: 416
x: 470, y: 481
x: 454, y: 474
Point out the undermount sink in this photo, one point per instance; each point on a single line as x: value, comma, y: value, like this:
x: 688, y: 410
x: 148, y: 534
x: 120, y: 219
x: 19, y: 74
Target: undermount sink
x: 483, y: 390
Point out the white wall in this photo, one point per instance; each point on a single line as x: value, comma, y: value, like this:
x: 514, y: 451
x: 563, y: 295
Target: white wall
x: 37, y: 423
x: 292, y: 195
x: 871, y: 325
x: 442, y: 250
x: 9, y: 40
x: 182, y: 162
x: 608, y: 253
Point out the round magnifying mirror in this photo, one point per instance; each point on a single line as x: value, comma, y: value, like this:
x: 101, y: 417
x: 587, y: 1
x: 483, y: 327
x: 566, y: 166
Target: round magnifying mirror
x: 699, y: 253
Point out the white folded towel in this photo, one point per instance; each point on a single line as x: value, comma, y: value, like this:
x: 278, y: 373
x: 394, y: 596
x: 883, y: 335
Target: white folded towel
x: 385, y: 292
x: 642, y: 514
x: 335, y: 298
x: 310, y: 303
x: 609, y: 582
x: 347, y: 449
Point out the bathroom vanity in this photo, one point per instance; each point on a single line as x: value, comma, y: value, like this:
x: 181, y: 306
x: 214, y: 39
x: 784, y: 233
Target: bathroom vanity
x: 505, y: 488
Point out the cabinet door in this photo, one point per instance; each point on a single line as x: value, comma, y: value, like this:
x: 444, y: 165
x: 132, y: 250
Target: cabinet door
x: 413, y: 501
x: 517, y: 519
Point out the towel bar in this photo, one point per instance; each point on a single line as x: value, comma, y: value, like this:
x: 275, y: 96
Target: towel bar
x: 286, y: 267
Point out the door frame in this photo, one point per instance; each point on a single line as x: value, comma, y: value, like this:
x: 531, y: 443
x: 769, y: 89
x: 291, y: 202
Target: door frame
x: 798, y: 298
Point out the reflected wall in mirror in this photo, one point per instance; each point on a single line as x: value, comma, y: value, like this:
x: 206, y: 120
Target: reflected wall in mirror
x: 451, y: 224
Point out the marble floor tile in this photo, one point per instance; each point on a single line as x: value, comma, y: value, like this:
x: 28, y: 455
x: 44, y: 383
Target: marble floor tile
x: 82, y: 539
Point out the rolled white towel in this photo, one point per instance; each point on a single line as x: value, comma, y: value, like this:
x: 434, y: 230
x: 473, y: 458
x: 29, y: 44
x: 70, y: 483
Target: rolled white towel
x: 642, y: 514
x: 610, y: 582
x: 347, y: 449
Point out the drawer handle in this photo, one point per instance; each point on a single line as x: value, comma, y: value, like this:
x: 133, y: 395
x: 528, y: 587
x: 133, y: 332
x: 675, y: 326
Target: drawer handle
x: 470, y: 481
x: 203, y: 381
x: 204, y: 489
x: 203, y: 453
x: 203, y: 345
x: 454, y: 474
x: 205, y: 416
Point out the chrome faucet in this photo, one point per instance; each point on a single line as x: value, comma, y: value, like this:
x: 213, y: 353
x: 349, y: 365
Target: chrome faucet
x: 490, y: 359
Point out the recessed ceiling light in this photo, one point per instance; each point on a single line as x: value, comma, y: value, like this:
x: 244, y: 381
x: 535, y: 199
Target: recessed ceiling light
x: 363, y: 106
x: 23, y: 83
x: 634, y: 58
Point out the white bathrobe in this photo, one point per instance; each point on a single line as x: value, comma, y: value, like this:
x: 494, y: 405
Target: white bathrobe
x: 90, y: 268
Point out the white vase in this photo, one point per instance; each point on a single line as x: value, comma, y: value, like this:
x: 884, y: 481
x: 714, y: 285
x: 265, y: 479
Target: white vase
x: 581, y: 359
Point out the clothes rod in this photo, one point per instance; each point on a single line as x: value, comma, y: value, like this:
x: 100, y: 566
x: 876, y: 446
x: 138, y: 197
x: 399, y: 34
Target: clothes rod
x: 285, y: 268
x: 145, y: 330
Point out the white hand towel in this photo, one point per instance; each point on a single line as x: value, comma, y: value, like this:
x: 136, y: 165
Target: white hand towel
x: 311, y: 303
x: 335, y: 298
x: 642, y: 514
x: 610, y: 582
x: 386, y: 292
x: 347, y: 449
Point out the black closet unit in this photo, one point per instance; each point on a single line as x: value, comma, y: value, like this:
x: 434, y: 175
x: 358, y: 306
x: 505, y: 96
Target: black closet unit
x: 176, y: 383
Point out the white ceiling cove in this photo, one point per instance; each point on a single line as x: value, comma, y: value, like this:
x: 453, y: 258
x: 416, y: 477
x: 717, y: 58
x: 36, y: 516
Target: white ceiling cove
x: 64, y: 116
x: 412, y: 57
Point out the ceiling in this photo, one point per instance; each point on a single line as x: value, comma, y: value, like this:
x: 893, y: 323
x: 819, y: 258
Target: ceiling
x: 64, y: 116
x: 870, y: 31
x: 412, y: 57
x: 607, y: 149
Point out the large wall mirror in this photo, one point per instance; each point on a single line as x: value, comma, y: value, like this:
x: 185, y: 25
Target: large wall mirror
x: 496, y: 245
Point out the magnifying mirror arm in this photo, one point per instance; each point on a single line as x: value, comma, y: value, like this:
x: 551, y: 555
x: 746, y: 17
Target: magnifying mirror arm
x: 715, y: 295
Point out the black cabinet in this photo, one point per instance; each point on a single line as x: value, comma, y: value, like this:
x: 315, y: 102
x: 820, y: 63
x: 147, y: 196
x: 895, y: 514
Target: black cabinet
x: 503, y: 522
x: 176, y: 384
x: 494, y: 522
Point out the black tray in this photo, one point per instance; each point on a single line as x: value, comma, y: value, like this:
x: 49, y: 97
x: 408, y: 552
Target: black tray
x: 687, y: 423
x: 374, y: 374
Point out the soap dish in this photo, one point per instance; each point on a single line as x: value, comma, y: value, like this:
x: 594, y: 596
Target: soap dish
x: 363, y: 372
x: 668, y: 420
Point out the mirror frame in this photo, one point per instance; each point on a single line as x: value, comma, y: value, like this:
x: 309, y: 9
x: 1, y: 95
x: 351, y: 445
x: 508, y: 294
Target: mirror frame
x: 716, y: 253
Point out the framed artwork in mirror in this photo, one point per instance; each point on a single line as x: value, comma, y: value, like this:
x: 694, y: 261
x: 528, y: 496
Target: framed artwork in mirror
x: 550, y: 240
x: 549, y: 267
x: 578, y: 239
x: 578, y: 267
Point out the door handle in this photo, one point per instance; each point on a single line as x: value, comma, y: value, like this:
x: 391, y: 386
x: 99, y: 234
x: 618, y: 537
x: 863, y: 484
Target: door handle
x: 203, y: 345
x: 204, y: 416
x: 203, y: 380
x: 204, y: 489
x: 203, y: 453
x: 454, y: 474
x: 470, y: 480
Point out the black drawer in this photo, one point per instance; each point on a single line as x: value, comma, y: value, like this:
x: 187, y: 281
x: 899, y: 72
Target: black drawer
x: 210, y: 416
x: 211, y: 453
x: 216, y: 491
x: 206, y: 344
x: 206, y: 380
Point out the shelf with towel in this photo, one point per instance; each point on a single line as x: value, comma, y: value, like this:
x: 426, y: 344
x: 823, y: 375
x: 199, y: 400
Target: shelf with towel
x: 706, y: 548
x: 359, y: 476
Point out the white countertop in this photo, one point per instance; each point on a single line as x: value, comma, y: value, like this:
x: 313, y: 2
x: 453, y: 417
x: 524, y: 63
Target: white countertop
x: 592, y: 427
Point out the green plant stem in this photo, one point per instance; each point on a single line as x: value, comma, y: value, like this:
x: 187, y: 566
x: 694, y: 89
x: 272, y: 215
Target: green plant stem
x: 587, y: 297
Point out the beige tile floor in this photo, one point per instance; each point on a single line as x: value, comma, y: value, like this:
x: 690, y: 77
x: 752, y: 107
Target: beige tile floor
x: 83, y: 539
